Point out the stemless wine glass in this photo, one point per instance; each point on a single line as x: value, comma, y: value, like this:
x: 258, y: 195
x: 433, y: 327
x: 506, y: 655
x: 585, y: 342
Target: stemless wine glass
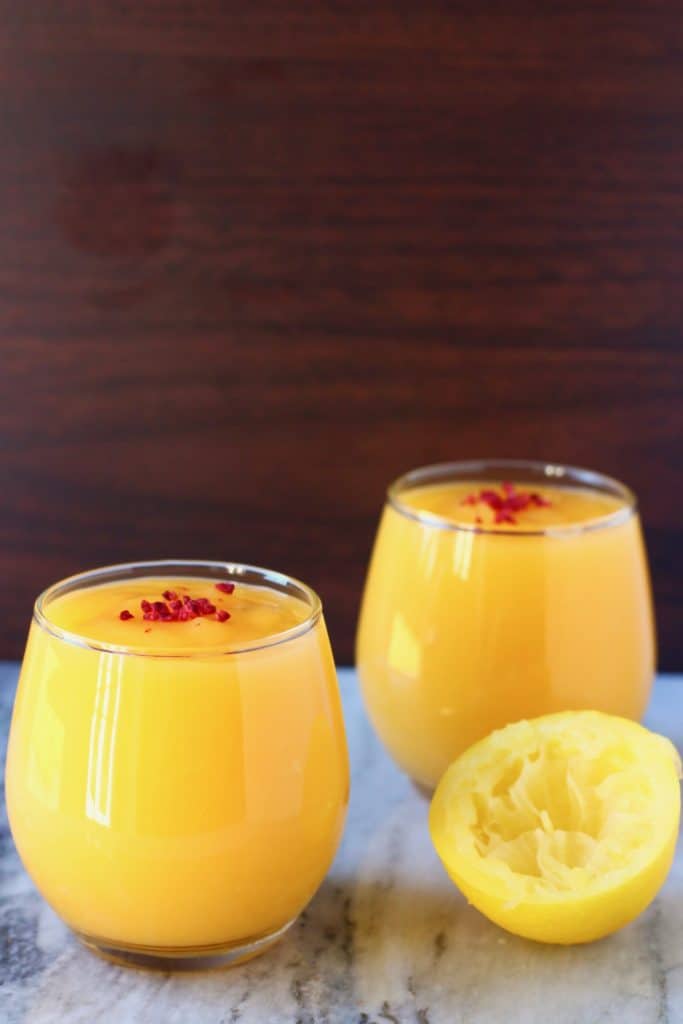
x: 465, y: 628
x: 178, y: 808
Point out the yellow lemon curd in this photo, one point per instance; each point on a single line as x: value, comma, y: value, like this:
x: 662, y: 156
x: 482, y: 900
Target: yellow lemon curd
x: 177, y: 785
x: 469, y: 622
x: 563, y: 828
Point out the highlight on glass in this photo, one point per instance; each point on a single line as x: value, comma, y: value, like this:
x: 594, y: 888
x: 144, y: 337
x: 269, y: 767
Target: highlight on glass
x: 500, y: 590
x: 177, y: 774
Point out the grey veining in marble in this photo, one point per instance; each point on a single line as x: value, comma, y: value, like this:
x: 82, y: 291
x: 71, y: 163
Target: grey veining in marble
x: 387, y: 939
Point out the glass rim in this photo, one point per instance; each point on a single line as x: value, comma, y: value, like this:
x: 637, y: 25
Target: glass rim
x: 221, y: 571
x: 553, y: 472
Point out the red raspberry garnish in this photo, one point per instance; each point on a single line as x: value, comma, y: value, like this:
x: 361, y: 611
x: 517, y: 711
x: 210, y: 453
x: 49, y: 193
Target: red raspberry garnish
x: 505, y: 506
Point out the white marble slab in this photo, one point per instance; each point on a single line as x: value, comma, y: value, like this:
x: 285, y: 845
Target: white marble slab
x: 387, y: 938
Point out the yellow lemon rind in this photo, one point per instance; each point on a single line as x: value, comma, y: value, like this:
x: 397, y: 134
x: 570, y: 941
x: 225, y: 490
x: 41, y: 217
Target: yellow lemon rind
x: 525, y: 906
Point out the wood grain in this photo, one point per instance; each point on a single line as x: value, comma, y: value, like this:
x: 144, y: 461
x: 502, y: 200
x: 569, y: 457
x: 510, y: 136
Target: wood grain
x: 258, y: 259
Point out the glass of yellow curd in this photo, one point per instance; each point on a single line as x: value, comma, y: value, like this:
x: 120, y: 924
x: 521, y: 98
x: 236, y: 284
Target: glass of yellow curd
x: 501, y: 590
x: 177, y: 773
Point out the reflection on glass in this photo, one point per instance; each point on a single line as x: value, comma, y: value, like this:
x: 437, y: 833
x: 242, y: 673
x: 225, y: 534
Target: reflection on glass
x: 103, y: 739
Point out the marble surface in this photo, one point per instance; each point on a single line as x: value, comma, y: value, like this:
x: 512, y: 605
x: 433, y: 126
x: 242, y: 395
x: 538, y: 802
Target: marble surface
x: 386, y: 939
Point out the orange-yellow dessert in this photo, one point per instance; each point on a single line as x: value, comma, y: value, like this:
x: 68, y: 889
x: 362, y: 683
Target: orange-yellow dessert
x: 177, y: 781
x: 488, y: 602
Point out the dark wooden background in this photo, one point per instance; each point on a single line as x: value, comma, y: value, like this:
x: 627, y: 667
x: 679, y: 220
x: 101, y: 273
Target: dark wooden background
x: 256, y: 259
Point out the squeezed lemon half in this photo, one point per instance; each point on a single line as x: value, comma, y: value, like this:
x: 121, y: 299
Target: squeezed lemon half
x: 563, y: 828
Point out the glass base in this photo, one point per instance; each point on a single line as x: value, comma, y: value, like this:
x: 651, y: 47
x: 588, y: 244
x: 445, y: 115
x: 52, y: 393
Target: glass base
x: 194, y: 958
